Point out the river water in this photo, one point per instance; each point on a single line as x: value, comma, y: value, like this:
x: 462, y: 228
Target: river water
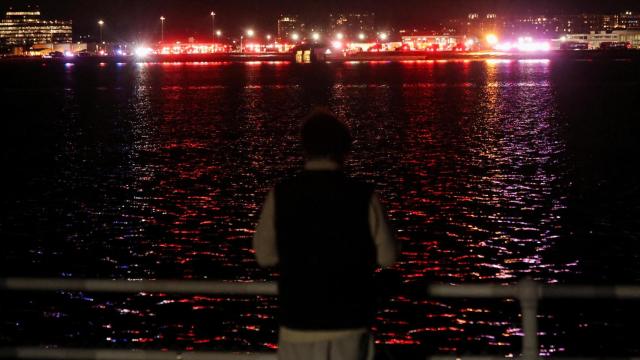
x: 489, y: 170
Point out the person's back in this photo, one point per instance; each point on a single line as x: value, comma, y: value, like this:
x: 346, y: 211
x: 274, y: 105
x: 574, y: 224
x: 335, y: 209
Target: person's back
x: 327, y: 233
x: 327, y: 254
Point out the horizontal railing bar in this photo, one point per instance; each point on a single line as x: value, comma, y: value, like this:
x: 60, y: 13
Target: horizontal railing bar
x: 270, y: 288
x: 154, y: 286
x: 475, y: 291
x: 527, y: 291
x: 470, y: 357
x: 542, y: 291
x: 121, y: 354
x: 576, y: 291
x: 34, y: 353
x: 555, y: 357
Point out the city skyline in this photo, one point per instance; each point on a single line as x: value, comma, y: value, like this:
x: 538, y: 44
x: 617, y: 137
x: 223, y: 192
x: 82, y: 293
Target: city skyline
x: 125, y: 20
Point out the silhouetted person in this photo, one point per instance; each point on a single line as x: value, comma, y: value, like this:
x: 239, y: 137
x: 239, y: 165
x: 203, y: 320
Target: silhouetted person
x: 327, y: 233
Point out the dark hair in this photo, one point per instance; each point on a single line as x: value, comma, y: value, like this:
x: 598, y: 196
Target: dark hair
x: 323, y: 135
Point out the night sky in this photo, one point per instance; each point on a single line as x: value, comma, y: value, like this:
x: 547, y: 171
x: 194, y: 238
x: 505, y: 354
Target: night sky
x: 128, y: 19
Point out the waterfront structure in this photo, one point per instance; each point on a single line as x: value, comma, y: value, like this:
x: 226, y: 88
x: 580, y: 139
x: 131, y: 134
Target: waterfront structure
x: 594, y: 39
x: 287, y: 26
x: 353, y: 24
x: 25, y: 26
x: 630, y: 36
x: 434, y: 42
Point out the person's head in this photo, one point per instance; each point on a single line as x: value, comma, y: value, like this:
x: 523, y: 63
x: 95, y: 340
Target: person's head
x: 324, y: 136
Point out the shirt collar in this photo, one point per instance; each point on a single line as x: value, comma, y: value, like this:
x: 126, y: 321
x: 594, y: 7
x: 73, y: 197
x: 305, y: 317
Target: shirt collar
x: 321, y: 165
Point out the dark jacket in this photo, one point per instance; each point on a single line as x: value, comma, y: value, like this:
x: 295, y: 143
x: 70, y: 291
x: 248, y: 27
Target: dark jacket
x: 327, y: 255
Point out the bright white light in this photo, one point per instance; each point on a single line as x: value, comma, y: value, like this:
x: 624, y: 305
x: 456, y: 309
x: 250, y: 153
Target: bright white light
x: 250, y: 32
x: 295, y: 37
x: 469, y: 43
x: 68, y: 53
x: 337, y: 44
x: 268, y: 37
x: 143, y: 51
x: 492, y: 39
x: 327, y: 52
x: 361, y: 36
x: 315, y: 36
x: 545, y: 46
x: 339, y: 36
x: 506, y: 46
x: 525, y: 44
x: 162, y: 18
x: 525, y: 39
x: 100, y: 22
x: 384, y: 36
x: 218, y: 33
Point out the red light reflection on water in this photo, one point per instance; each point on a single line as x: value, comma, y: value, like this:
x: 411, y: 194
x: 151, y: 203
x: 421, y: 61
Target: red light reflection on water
x: 462, y: 152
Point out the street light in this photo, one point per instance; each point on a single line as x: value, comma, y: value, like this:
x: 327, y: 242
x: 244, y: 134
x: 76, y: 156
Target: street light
x: 339, y: 36
x: 361, y: 36
x: 162, y: 18
x: 295, y: 37
x: 383, y: 36
x: 213, y: 25
x: 100, y: 23
x: 492, y: 39
x: 315, y: 36
x: 218, y: 33
x: 249, y: 33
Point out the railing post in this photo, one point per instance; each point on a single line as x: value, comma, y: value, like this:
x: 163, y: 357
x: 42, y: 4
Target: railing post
x: 528, y: 294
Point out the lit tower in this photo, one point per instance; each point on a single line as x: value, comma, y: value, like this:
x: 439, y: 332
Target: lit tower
x: 162, y: 18
x: 287, y: 26
x: 100, y: 24
x: 213, y: 25
x: 249, y: 34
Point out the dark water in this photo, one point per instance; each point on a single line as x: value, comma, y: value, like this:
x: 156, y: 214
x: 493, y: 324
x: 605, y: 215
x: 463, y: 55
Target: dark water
x: 490, y: 171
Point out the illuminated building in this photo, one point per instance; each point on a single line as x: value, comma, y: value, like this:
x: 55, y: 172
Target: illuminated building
x: 585, y: 23
x: 434, y: 42
x: 353, y: 24
x: 26, y: 27
x: 628, y: 20
x: 595, y: 38
x: 630, y: 36
x: 473, y: 24
x: 545, y: 26
x: 289, y: 25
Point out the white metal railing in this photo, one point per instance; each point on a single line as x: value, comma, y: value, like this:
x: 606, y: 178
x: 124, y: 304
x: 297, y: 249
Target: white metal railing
x: 527, y: 291
x: 114, y: 354
x: 128, y: 286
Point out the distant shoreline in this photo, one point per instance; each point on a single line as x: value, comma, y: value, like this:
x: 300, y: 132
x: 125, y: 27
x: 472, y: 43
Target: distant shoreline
x: 364, y: 56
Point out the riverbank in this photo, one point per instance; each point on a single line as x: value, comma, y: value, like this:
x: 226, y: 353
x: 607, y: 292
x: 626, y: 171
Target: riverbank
x: 363, y: 56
